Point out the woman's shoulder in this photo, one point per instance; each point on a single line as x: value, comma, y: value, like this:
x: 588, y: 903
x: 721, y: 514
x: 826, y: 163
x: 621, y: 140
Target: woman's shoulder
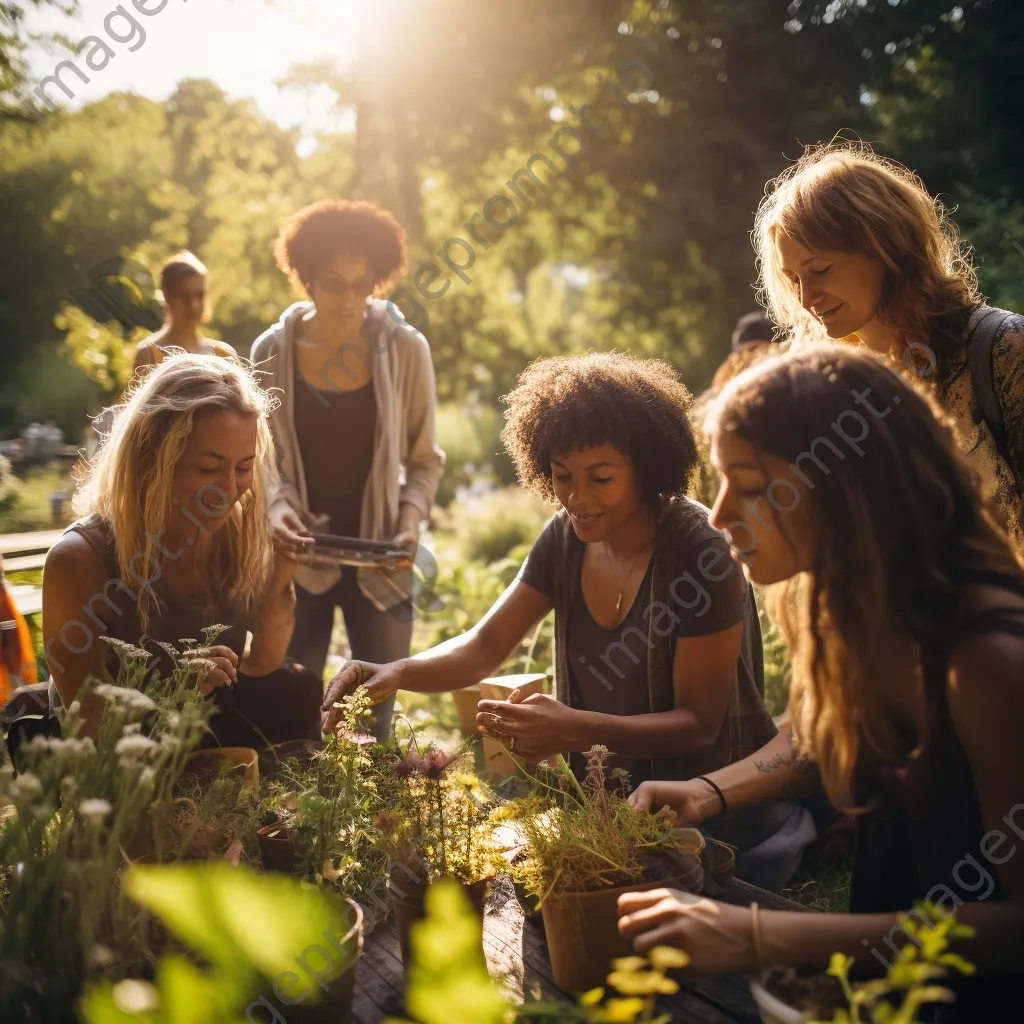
x: 84, y: 546
x: 404, y: 335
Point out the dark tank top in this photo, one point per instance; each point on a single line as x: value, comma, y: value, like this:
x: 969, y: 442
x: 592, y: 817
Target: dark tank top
x: 924, y: 819
x: 175, y: 620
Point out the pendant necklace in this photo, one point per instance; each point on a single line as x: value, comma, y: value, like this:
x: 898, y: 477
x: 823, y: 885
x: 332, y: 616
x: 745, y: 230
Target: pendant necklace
x: 622, y: 588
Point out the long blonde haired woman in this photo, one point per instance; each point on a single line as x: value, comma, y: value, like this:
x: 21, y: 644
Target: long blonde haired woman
x: 852, y: 247
x: 175, y: 536
x: 904, y: 609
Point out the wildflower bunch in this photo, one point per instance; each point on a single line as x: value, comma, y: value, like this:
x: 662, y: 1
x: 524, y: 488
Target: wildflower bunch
x: 440, y: 819
x: 581, y: 838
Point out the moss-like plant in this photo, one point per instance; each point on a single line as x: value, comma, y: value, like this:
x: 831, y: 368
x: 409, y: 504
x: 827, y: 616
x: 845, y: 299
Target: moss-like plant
x: 580, y: 837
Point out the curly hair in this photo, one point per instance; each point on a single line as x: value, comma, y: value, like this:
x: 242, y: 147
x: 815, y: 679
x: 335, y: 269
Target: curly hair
x: 844, y: 197
x: 309, y: 238
x: 894, y: 530
x: 639, y: 406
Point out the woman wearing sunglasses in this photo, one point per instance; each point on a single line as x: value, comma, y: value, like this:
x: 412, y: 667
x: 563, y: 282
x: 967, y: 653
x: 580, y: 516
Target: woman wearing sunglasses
x: 355, y: 436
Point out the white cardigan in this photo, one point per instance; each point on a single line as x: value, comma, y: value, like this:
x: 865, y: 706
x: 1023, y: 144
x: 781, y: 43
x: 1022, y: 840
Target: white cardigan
x: 407, y: 463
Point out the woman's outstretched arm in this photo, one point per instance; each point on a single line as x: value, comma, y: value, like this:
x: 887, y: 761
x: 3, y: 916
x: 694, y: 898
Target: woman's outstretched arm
x: 461, y: 661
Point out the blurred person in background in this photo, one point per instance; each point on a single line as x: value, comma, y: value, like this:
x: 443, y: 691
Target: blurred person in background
x: 752, y: 339
x: 852, y: 247
x: 183, y: 286
x: 355, y: 431
x: 903, y: 606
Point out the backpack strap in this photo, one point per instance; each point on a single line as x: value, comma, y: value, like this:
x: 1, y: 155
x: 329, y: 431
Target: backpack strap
x: 981, y: 338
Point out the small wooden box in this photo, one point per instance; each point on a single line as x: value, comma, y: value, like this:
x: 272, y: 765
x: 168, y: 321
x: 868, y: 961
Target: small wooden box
x: 499, y: 688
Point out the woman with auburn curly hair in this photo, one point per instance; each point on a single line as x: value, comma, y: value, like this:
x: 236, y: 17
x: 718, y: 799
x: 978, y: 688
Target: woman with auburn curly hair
x: 657, y: 639
x: 904, y: 609
x: 358, y: 412
x: 174, y: 537
x: 852, y: 247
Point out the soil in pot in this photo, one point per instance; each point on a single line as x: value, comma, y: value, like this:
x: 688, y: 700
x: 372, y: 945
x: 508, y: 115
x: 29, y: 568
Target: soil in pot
x: 408, y: 896
x: 818, y: 996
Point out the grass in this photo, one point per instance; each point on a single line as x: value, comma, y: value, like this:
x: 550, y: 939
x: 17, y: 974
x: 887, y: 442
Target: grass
x: 825, y: 888
x: 25, y: 505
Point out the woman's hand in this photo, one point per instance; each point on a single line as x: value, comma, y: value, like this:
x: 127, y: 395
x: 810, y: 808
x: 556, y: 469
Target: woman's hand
x: 290, y: 534
x: 218, y: 666
x: 533, y: 727
x: 692, y: 802
x: 379, y: 681
x: 718, y: 937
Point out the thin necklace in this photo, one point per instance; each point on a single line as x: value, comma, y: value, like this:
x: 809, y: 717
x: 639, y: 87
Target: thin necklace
x: 625, y: 580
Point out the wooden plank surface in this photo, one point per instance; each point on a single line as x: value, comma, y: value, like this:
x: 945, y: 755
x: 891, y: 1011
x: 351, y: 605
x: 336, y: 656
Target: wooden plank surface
x: 28, y: 600
x: 28, y: 543
x: 517, y: 960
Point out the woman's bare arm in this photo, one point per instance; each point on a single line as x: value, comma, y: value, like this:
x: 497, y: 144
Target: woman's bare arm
x: 275, y: 621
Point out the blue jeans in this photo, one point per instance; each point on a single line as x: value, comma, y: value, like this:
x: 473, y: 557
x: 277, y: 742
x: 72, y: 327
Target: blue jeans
x: 373, y: 635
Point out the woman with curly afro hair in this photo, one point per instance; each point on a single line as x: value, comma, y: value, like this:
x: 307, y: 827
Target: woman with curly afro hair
x: 354, y: 432
x: 658, y: 648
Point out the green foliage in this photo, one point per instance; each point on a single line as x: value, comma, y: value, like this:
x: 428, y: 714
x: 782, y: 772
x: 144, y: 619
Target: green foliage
x: 912, y: 978
x: 25, y: 501
x: 470, y: 434
x: 448, y: 982
x: 327, y: 806
x: 494, y: 525
x: 247, y: 929
x: 581, y: 838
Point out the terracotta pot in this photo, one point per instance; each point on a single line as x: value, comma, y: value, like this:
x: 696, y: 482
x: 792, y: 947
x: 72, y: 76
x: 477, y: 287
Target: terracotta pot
x: 772, y: 1010
x: 277, y: 851
x: 408, y: 896
x: 582, y: 931
x: 335, y: 1006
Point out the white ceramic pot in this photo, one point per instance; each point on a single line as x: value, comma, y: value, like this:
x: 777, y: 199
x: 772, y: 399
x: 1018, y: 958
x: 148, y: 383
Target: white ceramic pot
x: 772, y: 1010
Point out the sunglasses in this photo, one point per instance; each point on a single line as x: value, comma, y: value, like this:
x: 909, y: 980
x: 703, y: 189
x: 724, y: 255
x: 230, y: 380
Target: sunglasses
x: 336, y: 286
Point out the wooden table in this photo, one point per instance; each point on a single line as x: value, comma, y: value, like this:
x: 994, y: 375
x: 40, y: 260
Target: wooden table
x: 517, y: 958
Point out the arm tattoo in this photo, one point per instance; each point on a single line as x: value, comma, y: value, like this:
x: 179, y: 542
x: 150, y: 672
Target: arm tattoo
x: 800, y: 763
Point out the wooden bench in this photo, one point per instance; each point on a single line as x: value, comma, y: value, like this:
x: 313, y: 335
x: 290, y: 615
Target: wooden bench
x: 25, y: 552
x: 517, y: 959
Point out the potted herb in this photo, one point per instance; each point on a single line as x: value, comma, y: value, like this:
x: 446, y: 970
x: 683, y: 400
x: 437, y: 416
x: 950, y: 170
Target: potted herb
x: 583, y: 847
x: 784, y: 996
x: 439, y: 823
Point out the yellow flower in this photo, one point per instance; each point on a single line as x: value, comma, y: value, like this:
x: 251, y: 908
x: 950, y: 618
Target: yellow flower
x: 665, y: 958
x: 623, y: 1011
x: 642, y: 983
x: 629, y: 963
x: 592, y: 998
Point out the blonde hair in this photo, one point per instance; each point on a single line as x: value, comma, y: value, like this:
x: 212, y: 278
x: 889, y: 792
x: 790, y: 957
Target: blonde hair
x: 844, y: 197
x: 894, y: 530
x: 129, y: 481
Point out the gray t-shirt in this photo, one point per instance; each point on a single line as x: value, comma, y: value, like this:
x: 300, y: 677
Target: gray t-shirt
x: 608, y: 665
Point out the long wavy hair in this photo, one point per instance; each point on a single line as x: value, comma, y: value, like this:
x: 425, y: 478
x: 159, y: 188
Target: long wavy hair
x: 129, y: 481
x: 894, y: 529
x: 844, y: 197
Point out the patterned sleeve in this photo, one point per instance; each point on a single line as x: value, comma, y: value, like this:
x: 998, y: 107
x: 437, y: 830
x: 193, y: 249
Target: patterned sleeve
x: 1008, y: 370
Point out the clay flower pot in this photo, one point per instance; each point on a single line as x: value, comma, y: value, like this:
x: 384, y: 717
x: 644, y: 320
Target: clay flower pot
x: 408, y: 896
x: 335, y: 1006
x: 772, y: 1010
x: 277, y: 850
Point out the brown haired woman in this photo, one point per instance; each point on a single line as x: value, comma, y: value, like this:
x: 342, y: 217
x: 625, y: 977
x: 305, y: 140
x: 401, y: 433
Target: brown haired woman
x: 355, y: 435
x: 183, y: 287
x: 657, y: 638
x: 852, y: 247
x: 904, y: 610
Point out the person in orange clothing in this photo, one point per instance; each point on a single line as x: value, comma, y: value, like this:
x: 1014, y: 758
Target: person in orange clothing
x: 17, y: 657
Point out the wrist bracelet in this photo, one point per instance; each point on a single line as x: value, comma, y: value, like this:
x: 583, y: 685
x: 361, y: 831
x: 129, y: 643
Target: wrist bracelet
x: 717, y: 789
x: 755, y: 929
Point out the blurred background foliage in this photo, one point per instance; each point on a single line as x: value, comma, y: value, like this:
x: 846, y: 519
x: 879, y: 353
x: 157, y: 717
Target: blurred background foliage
x: 646, y: 249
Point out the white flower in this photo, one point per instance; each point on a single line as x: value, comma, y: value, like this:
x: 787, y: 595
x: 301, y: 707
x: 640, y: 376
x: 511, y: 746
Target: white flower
x: 130, y: 748
x: 75, y: 707
x: 147, y: 776
x: 25, y: 787
x: 134, y: 996
x: 69, y: 747
x: 99, y: 956
x: 94, y: 811
x: 131, y: 729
